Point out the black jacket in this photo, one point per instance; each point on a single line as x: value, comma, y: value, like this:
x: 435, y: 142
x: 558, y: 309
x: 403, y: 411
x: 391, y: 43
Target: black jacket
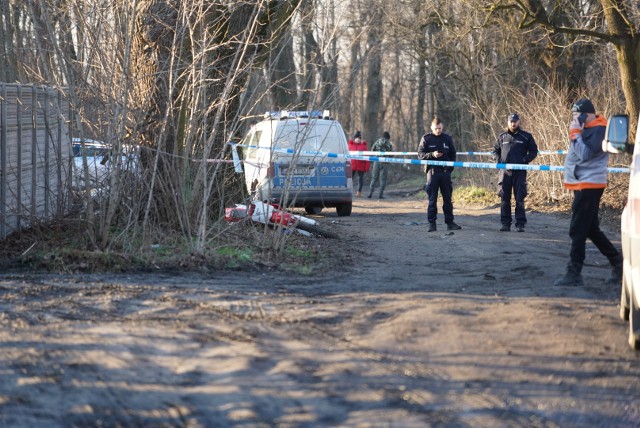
x: 442, y: 143
x: 518, y: 147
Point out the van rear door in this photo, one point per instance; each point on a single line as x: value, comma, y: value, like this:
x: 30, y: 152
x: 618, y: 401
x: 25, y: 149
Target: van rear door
x: 313, y: 161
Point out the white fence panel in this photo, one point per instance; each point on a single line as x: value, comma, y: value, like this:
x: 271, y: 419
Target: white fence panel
x: 35, y: 155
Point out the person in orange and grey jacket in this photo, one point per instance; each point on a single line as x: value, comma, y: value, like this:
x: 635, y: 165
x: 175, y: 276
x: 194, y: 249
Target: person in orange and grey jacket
x: 514, y: 146
x: 585, y: 172
x: 438, y: 146
x: 358, y: 167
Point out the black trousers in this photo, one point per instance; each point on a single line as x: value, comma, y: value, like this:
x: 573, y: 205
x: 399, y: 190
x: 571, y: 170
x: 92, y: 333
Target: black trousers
x: 586, y: 224
x: 514, y: 183
x: 360, y: 175
x: 439, y: 180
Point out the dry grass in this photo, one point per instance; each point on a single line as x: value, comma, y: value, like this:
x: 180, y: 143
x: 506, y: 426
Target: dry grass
x: 64, y: 246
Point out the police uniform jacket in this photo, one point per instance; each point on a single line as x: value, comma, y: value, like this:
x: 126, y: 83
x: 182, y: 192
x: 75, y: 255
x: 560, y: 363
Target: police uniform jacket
x: 585, y: 166
x: 437, y: 143
x: 515, y: 147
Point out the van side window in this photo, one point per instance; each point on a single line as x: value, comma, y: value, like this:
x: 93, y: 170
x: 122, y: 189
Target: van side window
x: 252, y: 140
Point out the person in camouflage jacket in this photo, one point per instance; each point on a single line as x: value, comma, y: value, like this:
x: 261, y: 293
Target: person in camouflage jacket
x: 383, y: 144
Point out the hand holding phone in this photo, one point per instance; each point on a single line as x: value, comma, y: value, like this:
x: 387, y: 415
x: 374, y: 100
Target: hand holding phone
x: 576, y: 125
x: 582, y: 118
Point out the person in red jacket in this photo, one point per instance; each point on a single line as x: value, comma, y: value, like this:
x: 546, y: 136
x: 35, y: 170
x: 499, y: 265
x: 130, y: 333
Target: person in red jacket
x: 358, y: 167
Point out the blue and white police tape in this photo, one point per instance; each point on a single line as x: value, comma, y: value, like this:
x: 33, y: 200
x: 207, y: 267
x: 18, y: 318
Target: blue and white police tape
x: 485, y: 165
x: 383, y: 153
x: 372, y: 153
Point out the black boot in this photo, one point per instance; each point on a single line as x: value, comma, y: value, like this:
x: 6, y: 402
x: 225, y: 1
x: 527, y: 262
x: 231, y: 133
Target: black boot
x: 370, y: 194
x: 616, y: 270
x: 453, y: 226
x: 432, y: 226
x: 572, y: 278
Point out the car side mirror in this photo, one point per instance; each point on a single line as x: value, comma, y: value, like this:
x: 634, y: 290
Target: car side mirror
x: 617, y: 135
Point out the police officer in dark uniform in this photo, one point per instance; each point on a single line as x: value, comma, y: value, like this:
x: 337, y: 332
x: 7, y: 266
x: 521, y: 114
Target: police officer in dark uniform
x: 438, y: 146
x: 513, y: 146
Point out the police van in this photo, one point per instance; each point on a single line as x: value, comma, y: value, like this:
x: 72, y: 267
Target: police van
x: 299, y: 159
x: 616, y: 141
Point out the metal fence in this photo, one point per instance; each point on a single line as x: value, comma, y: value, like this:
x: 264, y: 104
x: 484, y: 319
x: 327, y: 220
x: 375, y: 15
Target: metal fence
x: 35, y: 155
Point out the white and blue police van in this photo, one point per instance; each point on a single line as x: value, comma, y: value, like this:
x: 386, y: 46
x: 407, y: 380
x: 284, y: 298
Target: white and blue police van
x: 617, y: 141
x: 299, y: 159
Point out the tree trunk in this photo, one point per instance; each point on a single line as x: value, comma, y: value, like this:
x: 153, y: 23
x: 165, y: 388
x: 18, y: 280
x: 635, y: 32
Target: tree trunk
x: 349, y: 103
x: 282, y: 74
x: 627, y: 52
x: 8, y: 60
x: 307, y: 47
x: 422, y: 88
x: 372, y: 118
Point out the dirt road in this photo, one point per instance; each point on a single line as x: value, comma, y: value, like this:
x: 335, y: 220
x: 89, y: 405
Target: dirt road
x: 448, y: 329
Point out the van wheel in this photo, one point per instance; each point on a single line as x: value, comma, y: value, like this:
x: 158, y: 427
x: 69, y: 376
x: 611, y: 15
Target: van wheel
x: 313, y: 209
x: 344, y: 210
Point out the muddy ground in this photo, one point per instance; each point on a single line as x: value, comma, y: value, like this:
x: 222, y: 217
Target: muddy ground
x: 410, y: 329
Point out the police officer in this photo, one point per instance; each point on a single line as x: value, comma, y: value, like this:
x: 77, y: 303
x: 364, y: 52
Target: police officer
x: 438, y: 146
x: 513, y: 146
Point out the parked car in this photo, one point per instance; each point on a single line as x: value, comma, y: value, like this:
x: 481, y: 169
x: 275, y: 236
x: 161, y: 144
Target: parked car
x: 298, y: 159
x: 97, y: 154
x: 100, y: 162
x: 616, y: 141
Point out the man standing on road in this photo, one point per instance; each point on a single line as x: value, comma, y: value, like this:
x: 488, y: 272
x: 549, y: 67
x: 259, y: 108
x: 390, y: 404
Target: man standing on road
x: 380, y: 169
x: 585, y: 172
x: 514, y: 146
x: 438, y: 146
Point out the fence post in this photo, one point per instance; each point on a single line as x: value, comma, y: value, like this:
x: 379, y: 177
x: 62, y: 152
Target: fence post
x: 3, y: 162
x: 34, y: 152
x: 47, y: 155
x: 19, y: 110
x: 58, y: 147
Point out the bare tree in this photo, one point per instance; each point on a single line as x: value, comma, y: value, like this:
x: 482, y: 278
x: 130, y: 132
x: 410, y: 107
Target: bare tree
x: 281, y: 73
x: 8, y: 59
x: 349, y: 103
x: 307, y: 53
x: 197, y: 52
x: 622, y: 32
x: 373, y: 116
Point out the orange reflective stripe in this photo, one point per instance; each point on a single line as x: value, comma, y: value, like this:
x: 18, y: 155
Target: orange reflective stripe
x: 582, y: 186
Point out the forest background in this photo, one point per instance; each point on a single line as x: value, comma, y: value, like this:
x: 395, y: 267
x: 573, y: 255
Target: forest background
x: 180, y: 79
